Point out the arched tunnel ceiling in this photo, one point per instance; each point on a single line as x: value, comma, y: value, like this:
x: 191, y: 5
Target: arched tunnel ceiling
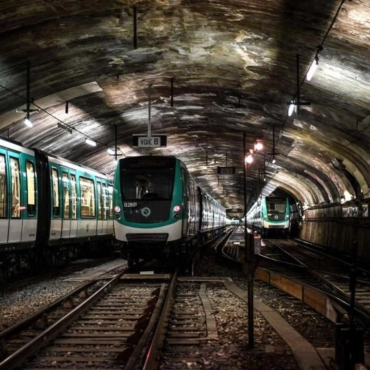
x: 233, y: 64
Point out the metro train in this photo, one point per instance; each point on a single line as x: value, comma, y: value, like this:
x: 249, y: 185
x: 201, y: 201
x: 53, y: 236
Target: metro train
x: 49, y: 208
x: 159, y: 211
x: 270, y: 215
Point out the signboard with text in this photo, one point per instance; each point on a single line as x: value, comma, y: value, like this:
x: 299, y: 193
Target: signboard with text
x: 144, y: 141
x: 226, y: 170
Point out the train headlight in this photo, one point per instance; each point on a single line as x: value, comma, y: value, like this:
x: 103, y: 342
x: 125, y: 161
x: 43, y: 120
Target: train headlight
x: 117, y: 209
x: 176, y: 210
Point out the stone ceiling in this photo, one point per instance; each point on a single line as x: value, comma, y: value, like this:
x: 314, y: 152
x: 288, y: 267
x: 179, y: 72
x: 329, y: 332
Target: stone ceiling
x: 233, y: 65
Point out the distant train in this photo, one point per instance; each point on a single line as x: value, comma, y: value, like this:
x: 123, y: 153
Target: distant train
x: 270, y: 216
x: 49, y: 207
x: 159, y: 211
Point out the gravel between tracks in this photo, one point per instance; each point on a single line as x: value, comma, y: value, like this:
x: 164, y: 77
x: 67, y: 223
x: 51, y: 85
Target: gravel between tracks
x: 270, y: 352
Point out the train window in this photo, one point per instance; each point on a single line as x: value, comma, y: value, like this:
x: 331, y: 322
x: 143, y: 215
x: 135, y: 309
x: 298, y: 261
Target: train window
x: 110, y: 192
x: 31, y: 189
x: 3, y: 192
x: 66, y: 199
x: 105, y: 202
x: 16, y: 188
x: 100, y: 203
x: 276, y: 205
x: 87, y: 198
x: 56, y: 203
x: 147, y: 183
x: 73, y: 197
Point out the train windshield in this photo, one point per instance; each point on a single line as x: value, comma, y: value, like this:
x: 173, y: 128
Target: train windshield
x: 147, y: 178
x: 276, y: 205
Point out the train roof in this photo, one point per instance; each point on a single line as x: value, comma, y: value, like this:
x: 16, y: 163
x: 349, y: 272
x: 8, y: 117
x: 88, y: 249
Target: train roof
x: 14, y: 145
x: 76, y: 166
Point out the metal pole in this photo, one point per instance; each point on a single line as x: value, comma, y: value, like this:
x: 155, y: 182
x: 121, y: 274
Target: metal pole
x: 172, y: 90
x: 245, y: 197
x: 135, y: 27
x: 28, y: 89
x: 149, y: 113
x: 352, y: 323
x: 115, y: 144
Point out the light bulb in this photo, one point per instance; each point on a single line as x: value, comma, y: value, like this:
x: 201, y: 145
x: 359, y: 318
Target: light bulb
x: 90, y: 142
x: 312, y: 69
x: 27, y: 122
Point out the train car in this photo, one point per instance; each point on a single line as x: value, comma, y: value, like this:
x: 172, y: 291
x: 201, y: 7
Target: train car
x: 49, y: 207
x: 270, y: 216
x: 159, y: 210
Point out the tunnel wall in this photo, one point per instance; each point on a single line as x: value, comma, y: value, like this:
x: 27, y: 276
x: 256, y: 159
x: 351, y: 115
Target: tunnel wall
x: 337, y: 226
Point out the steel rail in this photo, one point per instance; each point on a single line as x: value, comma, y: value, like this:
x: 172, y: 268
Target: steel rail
x: 157, y: 343
x: 44, y: 338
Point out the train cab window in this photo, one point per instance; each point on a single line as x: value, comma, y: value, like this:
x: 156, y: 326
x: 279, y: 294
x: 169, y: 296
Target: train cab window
x: 31, y: 189
x: 276, y: 206
x: 149, y: 178
x: 110, y: 200
x: 3, y: 192
x: 66, y: 199
x: 16, y: 188
x: 87, y: 198
x: 56, y: 202
x: 73, y: 197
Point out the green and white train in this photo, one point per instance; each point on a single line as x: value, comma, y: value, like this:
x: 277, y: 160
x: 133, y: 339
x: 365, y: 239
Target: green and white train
x: 159, y: 211
x: 49, y: 207
x: 270, y: 216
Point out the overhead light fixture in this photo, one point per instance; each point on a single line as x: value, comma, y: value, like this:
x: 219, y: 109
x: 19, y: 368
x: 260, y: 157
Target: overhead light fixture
x: 110, y: 151
x: 258, y: 145
x: 291, y: 108
x: 27, y: 122
x: 313, y: 68
x: 249, y: 159
x: 90, y: 142
x: 274, y: 160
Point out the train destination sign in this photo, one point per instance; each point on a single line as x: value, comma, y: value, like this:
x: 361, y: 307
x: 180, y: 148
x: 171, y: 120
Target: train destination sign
x: 226, y: 170
x: 144, y: 141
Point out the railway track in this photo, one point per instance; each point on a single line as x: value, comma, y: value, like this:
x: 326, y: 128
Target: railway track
x: 327, y: 274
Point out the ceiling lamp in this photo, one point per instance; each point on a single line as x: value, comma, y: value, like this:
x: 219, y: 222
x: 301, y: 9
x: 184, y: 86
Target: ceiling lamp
x: 258, y: 145
x: 90, y: 142
x: 27, y: 122
x: 110, y: 151
x: 291, y: 108
x: 313, y: 68
x: 249, y: 158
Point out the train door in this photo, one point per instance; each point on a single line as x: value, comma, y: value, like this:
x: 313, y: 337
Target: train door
x: 100, y: 223
x: 66, y: 203
x: 4, y: 198
x: 14, y: 186
x: 109, y: 199
x: 28, y: 208
x: 73, y: 204
x: 105, y: 203
x: 56, y: 216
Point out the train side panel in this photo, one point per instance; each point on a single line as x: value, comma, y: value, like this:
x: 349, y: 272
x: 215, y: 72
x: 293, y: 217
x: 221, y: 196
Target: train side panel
x: 18, y: 197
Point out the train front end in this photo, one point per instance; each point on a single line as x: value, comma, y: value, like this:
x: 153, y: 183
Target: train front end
x: 148, y: 207
x: 276, y: 214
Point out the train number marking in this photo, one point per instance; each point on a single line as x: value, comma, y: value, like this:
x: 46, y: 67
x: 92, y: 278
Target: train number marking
x: 130, y: 204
